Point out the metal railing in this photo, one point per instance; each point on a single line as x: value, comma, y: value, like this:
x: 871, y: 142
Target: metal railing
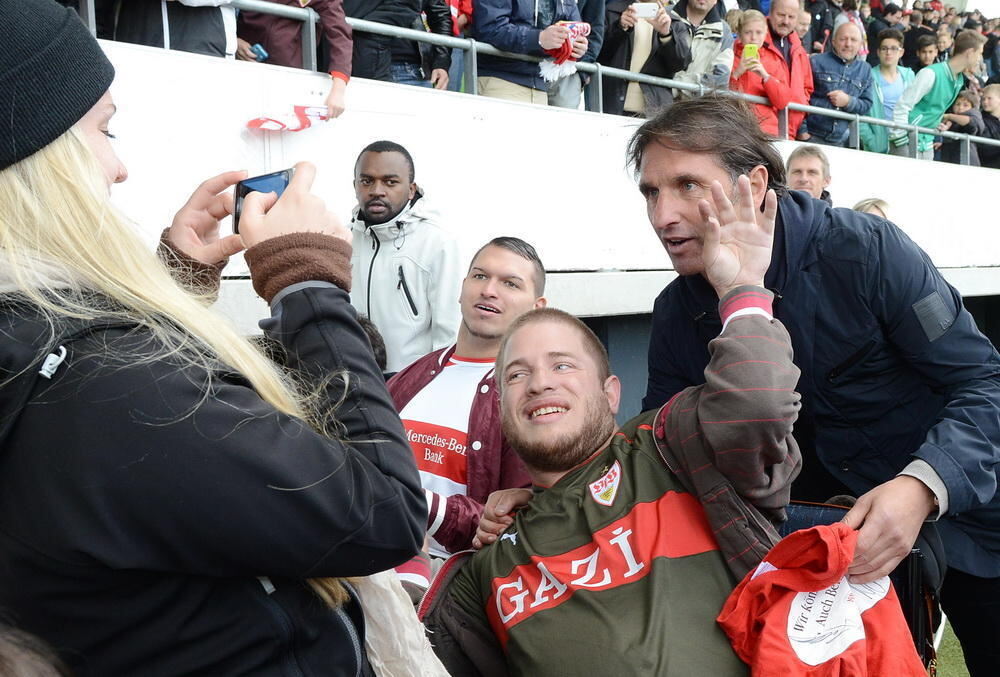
x: 594, y: 90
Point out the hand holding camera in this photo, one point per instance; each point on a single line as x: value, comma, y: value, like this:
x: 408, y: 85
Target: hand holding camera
x: 195, y: 228
x: 266, y: 215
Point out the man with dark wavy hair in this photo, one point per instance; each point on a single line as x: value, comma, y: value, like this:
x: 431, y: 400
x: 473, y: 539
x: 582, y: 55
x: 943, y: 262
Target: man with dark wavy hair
x: 900, y: 390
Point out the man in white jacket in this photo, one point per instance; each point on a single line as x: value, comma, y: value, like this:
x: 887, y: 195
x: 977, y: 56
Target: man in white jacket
x: 405, y: 265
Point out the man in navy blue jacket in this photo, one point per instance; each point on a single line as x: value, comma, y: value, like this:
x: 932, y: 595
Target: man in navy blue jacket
x: 900, y: 390
x: 842, y: 82
x: 521, y: 27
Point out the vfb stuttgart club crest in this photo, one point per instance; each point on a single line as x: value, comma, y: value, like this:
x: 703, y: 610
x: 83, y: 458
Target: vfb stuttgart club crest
x: 605, y: 489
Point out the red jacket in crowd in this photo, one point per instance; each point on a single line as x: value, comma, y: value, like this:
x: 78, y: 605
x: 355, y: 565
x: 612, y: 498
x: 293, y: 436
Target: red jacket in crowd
x: 282, y: 38
x: 459, y: 8
x: 782, y: 87
x: 492, y: 464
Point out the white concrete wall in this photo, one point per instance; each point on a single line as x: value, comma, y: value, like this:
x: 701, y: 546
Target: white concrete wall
x: 554, y: 177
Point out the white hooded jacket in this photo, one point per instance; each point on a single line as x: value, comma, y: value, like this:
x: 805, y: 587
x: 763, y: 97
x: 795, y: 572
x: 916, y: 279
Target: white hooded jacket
x: 407, y: 279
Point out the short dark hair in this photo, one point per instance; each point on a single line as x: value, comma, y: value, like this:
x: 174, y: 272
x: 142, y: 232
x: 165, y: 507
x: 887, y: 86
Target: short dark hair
x: 716, y: 124
x: 926, y: 41
x: 518, y: 246
x: 891, y: 8
x: 590, y: 340
x: 889, y: 34
x: 387, y: 147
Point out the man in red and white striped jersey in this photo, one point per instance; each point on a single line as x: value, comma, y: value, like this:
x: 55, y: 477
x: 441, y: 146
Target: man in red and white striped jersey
x: 450, y: 407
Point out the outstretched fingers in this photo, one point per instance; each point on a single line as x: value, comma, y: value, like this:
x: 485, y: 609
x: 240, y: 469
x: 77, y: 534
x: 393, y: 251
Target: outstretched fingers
x: 723, y: 205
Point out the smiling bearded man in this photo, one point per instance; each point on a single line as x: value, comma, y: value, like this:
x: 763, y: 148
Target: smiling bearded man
x: 559, y: 445
x: 619, y: 565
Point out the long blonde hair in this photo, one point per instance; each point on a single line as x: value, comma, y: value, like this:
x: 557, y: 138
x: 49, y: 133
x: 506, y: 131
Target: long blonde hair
x: 61, y: 240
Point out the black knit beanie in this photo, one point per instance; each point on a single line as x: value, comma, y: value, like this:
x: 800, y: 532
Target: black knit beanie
x: 52, y: 71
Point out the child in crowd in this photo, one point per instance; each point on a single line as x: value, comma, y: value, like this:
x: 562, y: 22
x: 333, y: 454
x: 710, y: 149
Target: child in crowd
x: 964, y: 118
x: 733, y: 19
x: 927, y: 52
x: 889, y: 80
x: 989, y: 156
x: 757, y: 70
x: 865, y: 10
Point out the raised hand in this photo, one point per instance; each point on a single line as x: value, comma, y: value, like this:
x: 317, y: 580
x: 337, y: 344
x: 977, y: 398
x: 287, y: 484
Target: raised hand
x: 661, y: 22
x: 736, y: 239
x: 627, y: 19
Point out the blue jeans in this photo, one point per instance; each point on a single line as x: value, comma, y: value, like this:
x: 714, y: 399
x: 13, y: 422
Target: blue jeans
x: 457, y: 70
x: 805, y: 516
x: 409, y: 74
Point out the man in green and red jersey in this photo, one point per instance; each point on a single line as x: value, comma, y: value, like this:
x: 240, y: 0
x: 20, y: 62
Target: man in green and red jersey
x: 632, y: 538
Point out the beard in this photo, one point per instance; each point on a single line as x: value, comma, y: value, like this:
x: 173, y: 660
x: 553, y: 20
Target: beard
x: 390, y: 213
x: 559, y: 453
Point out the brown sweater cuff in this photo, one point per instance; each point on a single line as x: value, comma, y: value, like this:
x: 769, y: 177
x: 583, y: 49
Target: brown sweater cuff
x: 201, y: 279
x: 298, y: 257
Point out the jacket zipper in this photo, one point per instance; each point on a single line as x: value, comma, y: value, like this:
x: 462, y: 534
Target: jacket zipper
x: 431, y: 594
x: 351, y: 630
x: 376, y: 246
x: 850, y: 361
x: 406, y: 291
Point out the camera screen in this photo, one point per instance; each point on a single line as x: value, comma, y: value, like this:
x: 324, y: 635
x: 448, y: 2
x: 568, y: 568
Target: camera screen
x: 268, y: 183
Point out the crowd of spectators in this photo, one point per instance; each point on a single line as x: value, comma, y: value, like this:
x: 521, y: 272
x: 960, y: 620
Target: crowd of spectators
x: 796, y: 52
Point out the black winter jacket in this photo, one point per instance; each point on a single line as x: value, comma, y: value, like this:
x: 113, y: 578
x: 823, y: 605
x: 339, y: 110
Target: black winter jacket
x: 148, y: 527
x: 665, y: 59
x: 423, y: 54
x: 392, y: 12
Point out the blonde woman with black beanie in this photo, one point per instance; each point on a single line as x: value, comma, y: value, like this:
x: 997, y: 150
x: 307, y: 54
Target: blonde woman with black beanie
x: 166, y: 504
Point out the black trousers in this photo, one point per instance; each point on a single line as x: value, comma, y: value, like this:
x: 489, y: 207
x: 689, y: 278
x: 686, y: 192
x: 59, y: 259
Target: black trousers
x: 973, y: 608
x: 372, y: 57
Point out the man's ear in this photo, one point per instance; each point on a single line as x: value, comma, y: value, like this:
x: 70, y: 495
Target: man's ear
x: 758, y: 185
x: 613, y: 391
x: 540, y: 302
x: 413, y: 191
